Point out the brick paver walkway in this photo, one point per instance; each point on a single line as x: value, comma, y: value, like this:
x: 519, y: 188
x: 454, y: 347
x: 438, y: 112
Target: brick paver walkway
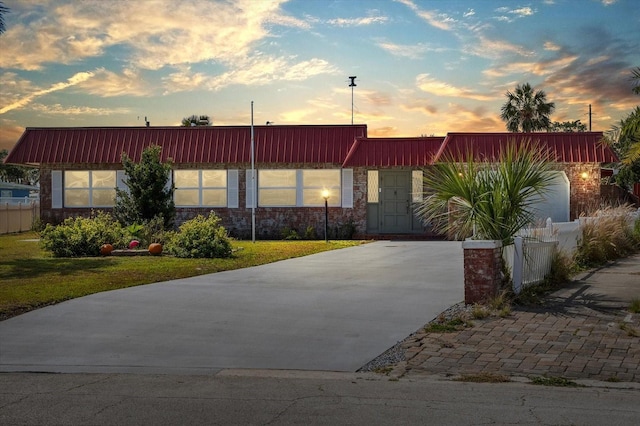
x: 574, y: 342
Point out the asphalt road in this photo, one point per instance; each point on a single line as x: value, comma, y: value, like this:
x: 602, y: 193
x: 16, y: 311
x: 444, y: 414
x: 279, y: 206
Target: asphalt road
x: 309, y: 398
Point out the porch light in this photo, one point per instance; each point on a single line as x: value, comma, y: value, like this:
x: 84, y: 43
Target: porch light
x: 584, y: 175
x: 325, y: 195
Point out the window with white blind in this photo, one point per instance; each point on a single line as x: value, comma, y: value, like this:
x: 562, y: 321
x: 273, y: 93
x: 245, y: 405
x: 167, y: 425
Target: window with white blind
x: 277, y: 188
x: 89, y: 188
x: 303, y: 188
x: 200, y: 188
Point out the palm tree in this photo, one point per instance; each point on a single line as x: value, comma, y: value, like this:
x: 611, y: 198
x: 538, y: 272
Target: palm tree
x: 3, y: 9
x: 527, y: 110
x: 635, y: 77
x: 486, y: 200
x: 625, y: 139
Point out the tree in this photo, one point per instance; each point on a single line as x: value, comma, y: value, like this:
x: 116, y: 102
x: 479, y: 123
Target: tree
x: 568, y: 126
x: 196, y: 120
x: 3, y: 9
x: 527, y: 110
x: 486, y: 200
x: 17, y: 174
x: 635, y: 77
x: 625, y: 139
x: 149, y: 195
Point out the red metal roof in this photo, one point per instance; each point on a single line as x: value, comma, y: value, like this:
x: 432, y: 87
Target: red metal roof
x: 577, y: 147
x: 337, y: 144
x: 211, y: 144
x: 389, y: 152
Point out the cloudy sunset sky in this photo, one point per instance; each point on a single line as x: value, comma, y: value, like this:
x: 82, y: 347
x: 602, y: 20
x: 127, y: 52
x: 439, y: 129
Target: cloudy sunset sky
x: 422, y: 67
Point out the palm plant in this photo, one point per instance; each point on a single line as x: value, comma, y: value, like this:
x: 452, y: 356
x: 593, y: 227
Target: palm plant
x: 527, y: 110
x: 486, y: 200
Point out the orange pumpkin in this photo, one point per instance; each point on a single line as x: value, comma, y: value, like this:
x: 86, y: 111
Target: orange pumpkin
x: 106, y: 249
x: 155, y: 249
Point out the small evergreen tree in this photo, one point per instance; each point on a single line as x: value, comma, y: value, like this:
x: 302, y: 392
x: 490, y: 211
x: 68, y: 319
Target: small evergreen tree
x: 148, y: 196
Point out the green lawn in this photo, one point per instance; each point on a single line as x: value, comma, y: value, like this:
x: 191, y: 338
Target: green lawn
x: 31, y: 278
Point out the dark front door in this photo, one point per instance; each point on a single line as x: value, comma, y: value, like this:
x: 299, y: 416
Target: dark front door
x: 395, y: 202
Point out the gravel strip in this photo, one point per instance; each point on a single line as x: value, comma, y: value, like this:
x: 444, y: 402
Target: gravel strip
x: 395, y: 353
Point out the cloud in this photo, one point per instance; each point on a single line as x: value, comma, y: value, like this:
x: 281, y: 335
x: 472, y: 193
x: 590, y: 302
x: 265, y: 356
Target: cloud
x: 382, y: 132
x: 58, y: 109
x: 469, y: 12
x: 549, y: 45
x: 107, y: 83
x: 523, y: 11
x: 297, y: 115
x: 608, y: 2
x: 357, y: 22
x: 510, y: 15
x: 74, y: 31
x: 9, y: 134
x: 260, y: 70
x: 71, y: 81
x: 420, y: 105
x: 413, y: 51
x: 495, y: 48
x: 461, y: 118
x: 545, y: 67
x: 376, y: 99
x: 441, y: 88
x: 440, y: 21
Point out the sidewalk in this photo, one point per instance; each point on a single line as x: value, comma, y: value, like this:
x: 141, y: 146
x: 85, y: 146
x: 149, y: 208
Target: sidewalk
x: 583, y: 331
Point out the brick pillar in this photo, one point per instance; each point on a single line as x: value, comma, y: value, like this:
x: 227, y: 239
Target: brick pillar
x: 482, y: 270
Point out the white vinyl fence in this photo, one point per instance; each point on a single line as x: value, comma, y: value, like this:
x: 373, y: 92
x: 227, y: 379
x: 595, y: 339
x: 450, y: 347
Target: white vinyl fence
x: 18, y: 217
x: 529, y: 258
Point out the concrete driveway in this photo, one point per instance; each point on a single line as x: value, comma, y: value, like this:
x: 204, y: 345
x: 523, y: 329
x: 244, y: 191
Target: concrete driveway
x: 332, y: 311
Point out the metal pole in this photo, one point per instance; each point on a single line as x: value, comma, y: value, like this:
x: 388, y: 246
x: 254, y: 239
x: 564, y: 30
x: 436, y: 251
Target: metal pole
x: 352, y: 84
x: 253, y: 182
x: 352, y: 105
x: 326, y: 220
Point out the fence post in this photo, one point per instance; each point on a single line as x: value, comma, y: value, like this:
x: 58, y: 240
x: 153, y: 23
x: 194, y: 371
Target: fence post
x: 518, y: 263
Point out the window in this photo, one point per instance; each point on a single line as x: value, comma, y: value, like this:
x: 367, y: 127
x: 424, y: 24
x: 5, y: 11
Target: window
x: 416, y: 186
x: 372, y: 186
x: 314, y: 182
x: 302, y: 188
x: 89, y: 188
x: 200, y: 188
x: 277, y: 188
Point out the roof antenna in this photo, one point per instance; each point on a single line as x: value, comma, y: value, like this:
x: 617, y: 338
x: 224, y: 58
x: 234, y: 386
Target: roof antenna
x: 146, y: 121
x: 269, y: 123
x: 352, y: 84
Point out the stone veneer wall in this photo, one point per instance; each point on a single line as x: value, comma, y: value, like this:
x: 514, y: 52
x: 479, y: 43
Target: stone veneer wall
x: 584, y: 192
x: 585, y: 195
x: 270, y: 221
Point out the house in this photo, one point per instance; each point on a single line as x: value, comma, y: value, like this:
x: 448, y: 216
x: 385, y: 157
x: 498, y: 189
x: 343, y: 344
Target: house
x: 11, y: 191
x: 579, y: 157
x: 372, y: 182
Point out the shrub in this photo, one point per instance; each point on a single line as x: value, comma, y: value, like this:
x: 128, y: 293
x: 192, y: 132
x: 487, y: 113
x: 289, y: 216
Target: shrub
x: 606, y: 236
x: 82, y: 236
x: 151, y: 231
x: 200, y: 237
x: 289, y: 234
